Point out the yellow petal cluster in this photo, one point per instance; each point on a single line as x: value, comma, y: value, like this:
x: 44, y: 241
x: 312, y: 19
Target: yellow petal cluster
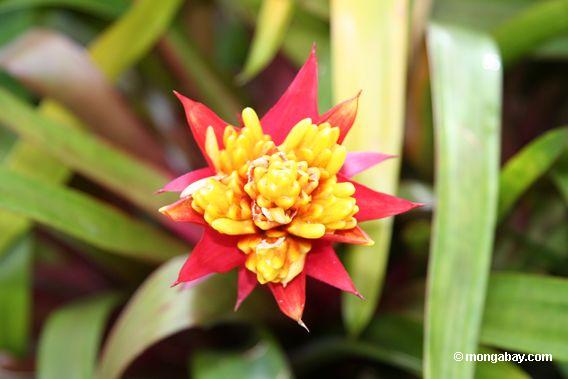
x: 274, y: 257
x: 277, y: 197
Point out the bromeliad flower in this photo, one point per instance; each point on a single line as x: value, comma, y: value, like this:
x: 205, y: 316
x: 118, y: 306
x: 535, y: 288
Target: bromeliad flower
x: 277, y: 194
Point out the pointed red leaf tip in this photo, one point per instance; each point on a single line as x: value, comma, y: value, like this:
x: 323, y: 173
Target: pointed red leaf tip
x: 359, y: 161
x: 215, y: 253
x: 246, y: 284
x: 323, y: 264
x: 199, y: 118
x: 355, y: 236
x: 300, y: 101
x: 292, y: 298
x: 342, y: 116
x: 181, y: 182
x: 181, y: 211
x: 374, y: 205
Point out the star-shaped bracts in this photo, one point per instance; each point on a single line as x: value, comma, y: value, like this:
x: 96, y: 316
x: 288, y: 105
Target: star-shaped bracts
x: 277, y: 194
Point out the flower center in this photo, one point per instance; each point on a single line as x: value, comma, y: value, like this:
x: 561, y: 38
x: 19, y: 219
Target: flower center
x: 278, y: 187
x: 274, y: 256
x: 277, y: 197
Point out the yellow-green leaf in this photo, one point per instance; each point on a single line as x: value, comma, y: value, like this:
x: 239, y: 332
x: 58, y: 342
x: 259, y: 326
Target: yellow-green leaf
x: 369, y: 45
x: 533, y: 161
x: 85, y: 153
x: 26, y: 158
x: 85, y: 218
x: 273, y: 21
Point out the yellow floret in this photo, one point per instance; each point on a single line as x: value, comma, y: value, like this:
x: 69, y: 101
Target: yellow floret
x: 274, y: 257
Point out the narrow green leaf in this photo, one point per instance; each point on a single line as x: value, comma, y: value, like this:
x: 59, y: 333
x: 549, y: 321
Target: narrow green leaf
x: 263, y: 360
x: 369, y: 46
x: 527, y: 313
x: 533, y: 161
x: 157, y: 311
x: 131, y: 37
x: 304, y: 31
x: 85, y: 153
x: 69, y: 344
x: 15, y: 296
x: 26, y: 158
x: 54, y: 66
x: 85, y: 218
x: 530, y: 28
x: 103, y: 8
x: 466, y: 90
x: 219, y: 95
x: 271, y: 26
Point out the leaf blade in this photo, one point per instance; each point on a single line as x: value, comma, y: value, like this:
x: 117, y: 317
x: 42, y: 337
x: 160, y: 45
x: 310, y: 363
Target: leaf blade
x: 523, y: 169
x: 263, y: 360
x: 527, y: 313
x: 363, y: 33
x: 273, y: 20
x: 467, y: 137
x: 64, y: 357
x: 26, y: 158
x: 157, y: 311
x: 84, y: 218
x: 15, y: 296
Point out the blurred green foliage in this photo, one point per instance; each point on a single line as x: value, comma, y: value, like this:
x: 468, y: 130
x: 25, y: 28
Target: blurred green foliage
x: 89, y: 130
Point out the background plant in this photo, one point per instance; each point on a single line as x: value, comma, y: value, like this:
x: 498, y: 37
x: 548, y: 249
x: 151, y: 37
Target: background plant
x: 471, y: 95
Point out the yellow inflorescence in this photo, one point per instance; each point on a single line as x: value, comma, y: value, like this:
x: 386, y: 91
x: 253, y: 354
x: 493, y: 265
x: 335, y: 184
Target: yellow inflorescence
x: 280, y: 197
x: 224, y: 205
x: 275, y: 256
x: 241, y: 146
x: 279, y: 187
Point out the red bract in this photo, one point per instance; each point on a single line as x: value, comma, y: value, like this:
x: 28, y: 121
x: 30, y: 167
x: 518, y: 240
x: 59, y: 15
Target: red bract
x: 278, y: 249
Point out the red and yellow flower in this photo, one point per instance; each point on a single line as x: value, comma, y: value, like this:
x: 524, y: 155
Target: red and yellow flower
x: 276, y: 195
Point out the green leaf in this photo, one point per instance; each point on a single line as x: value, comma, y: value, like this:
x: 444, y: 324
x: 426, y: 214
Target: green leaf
x: 271, y: 26
x: 103, y: 8
x: 85, y: 153
x: 369, y: 46
x: 85, y: 218
x: 304, y: 31
x: 15, y: 296
x: 393, y: 340
x: 157, y: 311
x: 263, y: 360
x: 466, y: 89
x: 220, y: 96
x: 15, y: 23
x: 69, y: 344
x: 530, y: 28
x: 26, y: 158
x: 527, y: 313
x: 54, y: 66
x: 533, y: 161
x: 131, y: 37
